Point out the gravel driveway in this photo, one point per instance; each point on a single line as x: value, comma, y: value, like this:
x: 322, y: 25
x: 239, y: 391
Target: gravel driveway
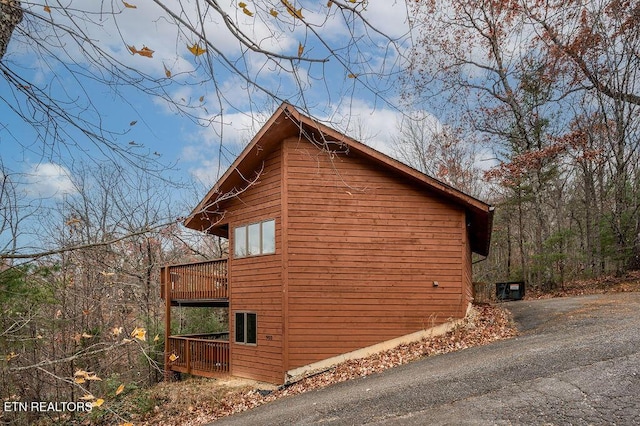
x: 577, y: 361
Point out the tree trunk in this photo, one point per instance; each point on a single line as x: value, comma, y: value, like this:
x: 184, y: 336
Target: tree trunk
x: 10, y: 17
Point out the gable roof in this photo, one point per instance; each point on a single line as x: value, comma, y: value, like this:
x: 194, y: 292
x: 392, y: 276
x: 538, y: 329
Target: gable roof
x: 289, y: 122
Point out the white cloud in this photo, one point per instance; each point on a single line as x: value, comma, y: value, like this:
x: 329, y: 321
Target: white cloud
x: 216, y: 146
x: 207, y: 172
x: 148, y: 25
x: 235, y: 130
x: 151, y: 26
x: 373, y: 126
x: 49, y: 180
x: 389, y: 17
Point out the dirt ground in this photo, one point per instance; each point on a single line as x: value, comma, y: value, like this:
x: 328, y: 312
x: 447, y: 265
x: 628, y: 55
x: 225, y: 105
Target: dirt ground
x: 486, y: 292
x: 195, y: 401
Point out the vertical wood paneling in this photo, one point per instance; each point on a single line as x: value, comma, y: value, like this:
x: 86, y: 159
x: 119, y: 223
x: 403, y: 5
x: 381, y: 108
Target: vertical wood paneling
x: 364, y: 248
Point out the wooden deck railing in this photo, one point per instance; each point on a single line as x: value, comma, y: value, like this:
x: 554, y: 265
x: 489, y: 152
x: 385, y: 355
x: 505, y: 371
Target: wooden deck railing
x: 193, y: 281
x: 200, y: 354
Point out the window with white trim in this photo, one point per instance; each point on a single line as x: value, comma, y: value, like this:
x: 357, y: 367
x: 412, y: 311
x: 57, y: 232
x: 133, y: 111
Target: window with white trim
x: 246, y: 328
x: 255, y: 239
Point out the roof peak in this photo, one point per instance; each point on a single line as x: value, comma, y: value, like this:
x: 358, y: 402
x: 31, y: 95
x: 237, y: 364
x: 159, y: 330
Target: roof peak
x: 288, y: 121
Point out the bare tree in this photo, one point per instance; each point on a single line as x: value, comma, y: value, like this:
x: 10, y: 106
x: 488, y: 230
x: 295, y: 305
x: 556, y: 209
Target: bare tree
x: 436, y: 150
x: 203, y: 59
x: 551, y: 89
x: 269, y: 51
x: 96, y: 293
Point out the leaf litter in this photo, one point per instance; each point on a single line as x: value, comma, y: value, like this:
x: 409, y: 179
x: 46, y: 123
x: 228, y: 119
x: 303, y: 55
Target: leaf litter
x: 197, y: 401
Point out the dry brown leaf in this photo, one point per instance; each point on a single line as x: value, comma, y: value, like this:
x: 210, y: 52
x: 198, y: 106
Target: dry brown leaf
x: 120, y: 389
x: 489, y: 324
x: 196, y: 49
x: 145, y: 51
x: 81, y: 373
x: 139, y: 333
x: 296, y: 13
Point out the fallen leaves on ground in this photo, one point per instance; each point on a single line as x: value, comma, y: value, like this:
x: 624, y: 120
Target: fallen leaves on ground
x: 600, y: 285
x: 202, y: 401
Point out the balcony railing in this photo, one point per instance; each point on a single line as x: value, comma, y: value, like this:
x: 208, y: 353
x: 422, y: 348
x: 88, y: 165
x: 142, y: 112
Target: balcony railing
x: 199, y: 354
x: 196, y: 281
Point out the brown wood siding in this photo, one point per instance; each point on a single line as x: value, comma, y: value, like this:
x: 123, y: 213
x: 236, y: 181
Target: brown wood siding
x: 467, y: 276
x: 256, y: 281
x: 364, y: 248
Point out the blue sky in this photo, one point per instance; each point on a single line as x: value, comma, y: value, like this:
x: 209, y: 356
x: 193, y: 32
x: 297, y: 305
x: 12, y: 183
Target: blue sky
x: 223, y: 112
x: 159, y: 129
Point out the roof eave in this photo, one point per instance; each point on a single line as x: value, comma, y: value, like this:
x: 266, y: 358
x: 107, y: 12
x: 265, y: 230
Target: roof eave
x: 482, y: 211
x: 195, y: 218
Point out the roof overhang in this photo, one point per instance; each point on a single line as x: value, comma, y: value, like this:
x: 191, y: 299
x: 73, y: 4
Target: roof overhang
x: 288, y: 122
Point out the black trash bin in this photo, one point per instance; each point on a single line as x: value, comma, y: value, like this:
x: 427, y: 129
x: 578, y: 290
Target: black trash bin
x: 512, y: 290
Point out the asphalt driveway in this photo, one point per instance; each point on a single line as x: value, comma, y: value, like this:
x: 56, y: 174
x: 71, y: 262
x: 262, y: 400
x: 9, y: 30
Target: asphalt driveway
x: 577, y: 361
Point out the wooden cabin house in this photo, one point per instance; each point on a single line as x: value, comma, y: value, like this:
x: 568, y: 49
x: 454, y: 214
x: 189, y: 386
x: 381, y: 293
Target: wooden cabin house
x: 333, y: 246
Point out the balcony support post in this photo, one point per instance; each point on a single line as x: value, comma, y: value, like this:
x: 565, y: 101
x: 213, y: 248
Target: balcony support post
x: 167, y: 321
x: 187, y: 354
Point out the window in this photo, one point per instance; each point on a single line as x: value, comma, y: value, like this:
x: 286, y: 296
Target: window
x: 240, y: 239
x: 255, y: 239
x: 246, y: 328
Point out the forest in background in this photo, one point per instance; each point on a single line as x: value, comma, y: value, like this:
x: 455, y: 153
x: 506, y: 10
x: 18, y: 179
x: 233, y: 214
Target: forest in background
x: 551, y: 90
x: 531, y: 106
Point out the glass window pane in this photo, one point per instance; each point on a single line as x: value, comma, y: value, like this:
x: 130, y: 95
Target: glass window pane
x: 269, y: 237
x: 252, y: 329
x: 254, y: 239
x: 240, y: 241
x: 240, y: 327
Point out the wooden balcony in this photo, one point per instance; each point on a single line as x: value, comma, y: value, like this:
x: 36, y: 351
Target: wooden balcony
x: 196, y: 282
x: 200, y: 354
